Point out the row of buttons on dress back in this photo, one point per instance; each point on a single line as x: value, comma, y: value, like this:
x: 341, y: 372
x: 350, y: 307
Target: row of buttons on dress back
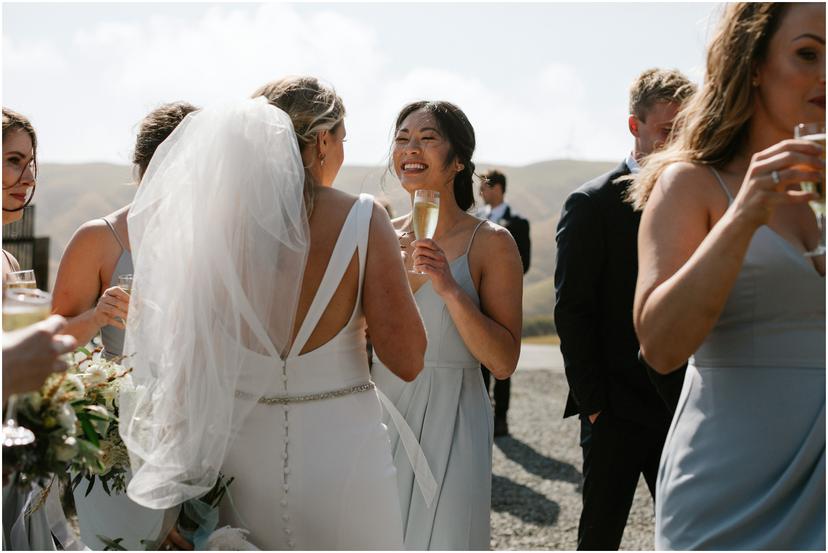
x: 286, y: 468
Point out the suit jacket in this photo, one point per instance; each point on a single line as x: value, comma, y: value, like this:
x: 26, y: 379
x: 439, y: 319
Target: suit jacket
x: 595, y: 275
x: 519, y: 229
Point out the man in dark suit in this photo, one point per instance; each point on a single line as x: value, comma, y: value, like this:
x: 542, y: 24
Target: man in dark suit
x: 624, y: 421
x: 492, y: 190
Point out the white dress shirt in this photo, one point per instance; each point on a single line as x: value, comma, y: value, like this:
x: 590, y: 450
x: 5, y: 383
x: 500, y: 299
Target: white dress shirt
x: 495, y: 213
x: 632, y: 164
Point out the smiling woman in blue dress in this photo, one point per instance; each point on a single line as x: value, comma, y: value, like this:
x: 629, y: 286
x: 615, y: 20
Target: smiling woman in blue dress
x: 470, y: 300
x: 723, y: 278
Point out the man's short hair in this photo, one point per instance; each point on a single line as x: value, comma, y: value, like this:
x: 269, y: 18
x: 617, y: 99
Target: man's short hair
x: 494, y: 177
x: 658, y: 85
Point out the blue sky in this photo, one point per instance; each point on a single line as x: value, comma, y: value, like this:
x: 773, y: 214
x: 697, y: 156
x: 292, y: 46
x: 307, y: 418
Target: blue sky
x: 538, y: 81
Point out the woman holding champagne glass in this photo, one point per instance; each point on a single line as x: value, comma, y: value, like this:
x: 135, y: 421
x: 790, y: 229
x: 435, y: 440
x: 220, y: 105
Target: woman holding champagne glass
x: 467, y: 279
x: 725, y: 280
x: 92, y: 292
x: 86, y: 290
x: 19, y: 169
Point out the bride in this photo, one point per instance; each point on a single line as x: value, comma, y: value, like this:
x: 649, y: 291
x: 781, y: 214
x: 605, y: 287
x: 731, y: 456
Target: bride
x: 254, y: 283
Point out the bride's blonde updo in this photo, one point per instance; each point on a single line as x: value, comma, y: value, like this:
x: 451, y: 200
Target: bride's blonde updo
x: 312, y: 107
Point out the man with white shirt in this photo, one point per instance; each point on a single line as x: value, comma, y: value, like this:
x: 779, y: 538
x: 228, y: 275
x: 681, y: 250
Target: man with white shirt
x: 492, y: 190
x: 624, y: 421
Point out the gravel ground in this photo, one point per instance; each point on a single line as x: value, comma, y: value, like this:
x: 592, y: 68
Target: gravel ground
x: 536, y: 481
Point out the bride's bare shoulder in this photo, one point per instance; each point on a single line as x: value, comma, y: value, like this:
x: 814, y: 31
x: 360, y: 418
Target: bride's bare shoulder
x: 329, y: 201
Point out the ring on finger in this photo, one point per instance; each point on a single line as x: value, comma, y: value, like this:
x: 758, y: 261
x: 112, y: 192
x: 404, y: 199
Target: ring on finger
x: 775, y: 177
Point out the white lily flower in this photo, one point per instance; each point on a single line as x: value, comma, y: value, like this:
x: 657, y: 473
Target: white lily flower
x: 67, y: 418
x: 76, y: 387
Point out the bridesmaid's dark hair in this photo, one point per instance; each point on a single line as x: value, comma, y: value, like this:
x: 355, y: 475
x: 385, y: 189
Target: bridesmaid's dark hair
x: 455, y: 126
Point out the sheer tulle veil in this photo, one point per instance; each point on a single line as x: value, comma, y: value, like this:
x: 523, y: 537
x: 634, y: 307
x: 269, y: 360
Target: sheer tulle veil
x: 219, y: 238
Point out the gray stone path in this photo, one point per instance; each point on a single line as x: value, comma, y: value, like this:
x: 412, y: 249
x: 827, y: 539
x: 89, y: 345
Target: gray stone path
x: 536, y: 478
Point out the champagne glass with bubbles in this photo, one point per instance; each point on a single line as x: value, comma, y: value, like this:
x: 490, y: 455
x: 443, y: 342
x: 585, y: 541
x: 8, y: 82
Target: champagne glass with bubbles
x: 815, y: 132
x: 425, y: 214
x: 21, y: 307
x: 20, y: 279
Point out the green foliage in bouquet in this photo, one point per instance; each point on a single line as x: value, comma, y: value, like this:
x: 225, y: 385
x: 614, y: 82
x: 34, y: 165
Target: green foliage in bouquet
x: 74, y: 417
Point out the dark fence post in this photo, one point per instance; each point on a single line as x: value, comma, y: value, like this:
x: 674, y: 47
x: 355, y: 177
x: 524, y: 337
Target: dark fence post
x: 32, y: 253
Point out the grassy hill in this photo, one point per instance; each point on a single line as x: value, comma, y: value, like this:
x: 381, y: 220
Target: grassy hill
x: 69, y: 195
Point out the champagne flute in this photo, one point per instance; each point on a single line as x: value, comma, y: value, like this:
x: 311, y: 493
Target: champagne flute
x: 425, y: 215
x: 21, y: 308
x: 125, y: 283
x: 815, y: 132
x: 20, y: 279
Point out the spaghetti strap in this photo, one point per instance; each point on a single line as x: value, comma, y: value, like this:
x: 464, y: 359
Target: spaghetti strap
x: 722, y: 184
x: 468, y: 247
x: 115, y: 234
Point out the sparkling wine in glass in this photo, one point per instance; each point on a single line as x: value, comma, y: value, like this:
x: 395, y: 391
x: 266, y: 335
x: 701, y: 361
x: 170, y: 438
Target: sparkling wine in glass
x: 25, y: 306
x: 125, y: 283
x: 21, y: 308
x: 425, y: 215
x: 815, y: 132
x: 20, y: 279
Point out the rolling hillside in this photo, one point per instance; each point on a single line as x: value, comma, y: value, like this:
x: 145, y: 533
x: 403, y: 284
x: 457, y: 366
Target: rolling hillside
x: 69, y: 195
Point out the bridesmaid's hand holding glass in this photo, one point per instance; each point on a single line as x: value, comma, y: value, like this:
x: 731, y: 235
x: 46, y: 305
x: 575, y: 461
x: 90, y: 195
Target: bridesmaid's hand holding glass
x: 431, y: 260
x: 774, y: 178
x: 112, y: 308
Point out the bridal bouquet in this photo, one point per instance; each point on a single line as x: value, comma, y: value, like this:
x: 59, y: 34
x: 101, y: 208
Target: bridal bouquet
x: 74, y: 419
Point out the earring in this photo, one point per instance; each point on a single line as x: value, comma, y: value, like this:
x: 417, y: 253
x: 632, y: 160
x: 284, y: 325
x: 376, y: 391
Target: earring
x: 321, y: 161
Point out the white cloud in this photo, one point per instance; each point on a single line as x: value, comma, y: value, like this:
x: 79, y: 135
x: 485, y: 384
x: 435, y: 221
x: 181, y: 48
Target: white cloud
x: 112, y: 73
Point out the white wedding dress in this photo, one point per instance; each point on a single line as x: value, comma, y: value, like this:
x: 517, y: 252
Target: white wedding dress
x: 220, y: 240
x: 315, y: 471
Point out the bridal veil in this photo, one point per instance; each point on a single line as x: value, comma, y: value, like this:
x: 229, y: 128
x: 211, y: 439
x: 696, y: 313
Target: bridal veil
x: 219, y: 238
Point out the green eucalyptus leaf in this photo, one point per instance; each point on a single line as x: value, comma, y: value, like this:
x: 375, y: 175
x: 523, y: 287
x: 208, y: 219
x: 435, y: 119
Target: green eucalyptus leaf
x: 88, y: 429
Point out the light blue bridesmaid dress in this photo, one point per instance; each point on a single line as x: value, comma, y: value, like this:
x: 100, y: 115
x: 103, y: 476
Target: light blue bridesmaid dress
x: 116, y: 515
x: 449, y: 411
x: 744, y: 462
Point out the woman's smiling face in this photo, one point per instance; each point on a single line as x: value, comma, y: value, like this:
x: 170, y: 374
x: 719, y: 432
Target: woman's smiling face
x: 421, y: 154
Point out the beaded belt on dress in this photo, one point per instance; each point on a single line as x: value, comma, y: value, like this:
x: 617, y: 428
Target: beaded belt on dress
x: 283, y: 400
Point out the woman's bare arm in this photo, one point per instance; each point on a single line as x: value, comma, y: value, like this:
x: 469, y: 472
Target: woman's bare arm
x: 491, y: 332
x: 78, y: 286
x: 394, y: 322
x: 687, y: 266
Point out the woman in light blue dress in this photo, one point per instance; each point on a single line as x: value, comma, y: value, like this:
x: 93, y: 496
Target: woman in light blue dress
x: 87, y: 294
x: 724, y: 279
x: 470, y: 299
